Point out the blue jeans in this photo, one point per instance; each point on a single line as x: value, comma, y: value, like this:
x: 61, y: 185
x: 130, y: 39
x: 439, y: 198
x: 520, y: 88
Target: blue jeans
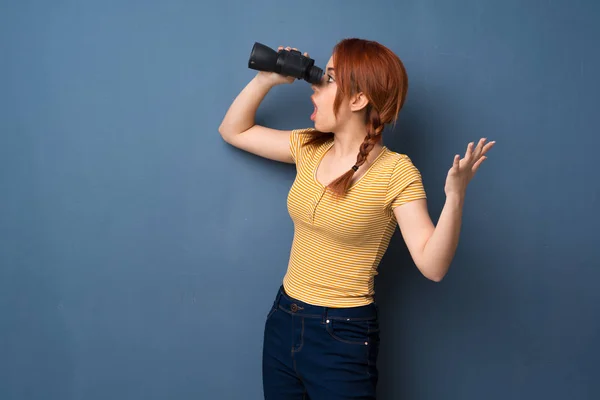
x: 319, y: 353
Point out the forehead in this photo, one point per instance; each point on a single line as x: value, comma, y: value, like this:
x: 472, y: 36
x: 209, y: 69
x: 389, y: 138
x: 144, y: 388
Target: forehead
x: 329, y: 63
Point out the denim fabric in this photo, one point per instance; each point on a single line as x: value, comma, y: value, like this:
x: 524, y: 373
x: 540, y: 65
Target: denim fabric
x: 319, y: 353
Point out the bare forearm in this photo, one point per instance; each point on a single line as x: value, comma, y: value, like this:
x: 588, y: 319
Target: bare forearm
x: 441, y: 246
x: 240, y: 115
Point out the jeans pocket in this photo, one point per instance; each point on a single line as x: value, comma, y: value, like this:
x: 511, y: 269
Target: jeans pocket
x: 351, y: 332
x: 271, y: 312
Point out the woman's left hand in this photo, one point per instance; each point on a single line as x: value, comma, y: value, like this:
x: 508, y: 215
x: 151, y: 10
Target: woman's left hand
x: 464, y: 169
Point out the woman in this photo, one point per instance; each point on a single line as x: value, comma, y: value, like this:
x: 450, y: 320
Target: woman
x: 321, y: 335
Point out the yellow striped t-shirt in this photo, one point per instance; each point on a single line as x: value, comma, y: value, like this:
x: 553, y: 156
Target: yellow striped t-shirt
x: 338, y: 243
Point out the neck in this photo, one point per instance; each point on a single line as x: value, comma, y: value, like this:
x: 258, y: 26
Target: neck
x: 347, y: 142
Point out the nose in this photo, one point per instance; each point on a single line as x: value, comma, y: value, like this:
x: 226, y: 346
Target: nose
x: 315, y: 86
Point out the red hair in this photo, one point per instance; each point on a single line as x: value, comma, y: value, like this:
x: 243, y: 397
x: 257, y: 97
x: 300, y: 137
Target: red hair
x: 373, y: 69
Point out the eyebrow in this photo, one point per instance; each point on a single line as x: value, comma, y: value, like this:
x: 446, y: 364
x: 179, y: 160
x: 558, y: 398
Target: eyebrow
x: 329, y: 69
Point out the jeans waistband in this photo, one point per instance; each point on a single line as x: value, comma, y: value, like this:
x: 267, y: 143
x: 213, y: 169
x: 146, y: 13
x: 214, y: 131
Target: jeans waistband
x: 293, y: 306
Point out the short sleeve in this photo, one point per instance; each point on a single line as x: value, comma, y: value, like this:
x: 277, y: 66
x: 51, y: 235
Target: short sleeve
x: 298, y: 138
x: 405, y: 183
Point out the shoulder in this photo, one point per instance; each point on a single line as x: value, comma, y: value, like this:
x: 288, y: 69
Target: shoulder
x: 405, y: 181
x: 300, y: 137
x: 399, y: 163
x: 303, y: 133
x: 402, y: 172
x: 305, y: 141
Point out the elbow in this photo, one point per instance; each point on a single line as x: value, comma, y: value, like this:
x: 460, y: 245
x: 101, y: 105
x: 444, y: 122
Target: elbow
x: 435, y: 273
x: 435, y: 277
x: 229, y: 135
x: 224, y: 134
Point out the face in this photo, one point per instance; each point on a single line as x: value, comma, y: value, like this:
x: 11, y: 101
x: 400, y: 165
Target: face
x: 323, y: 99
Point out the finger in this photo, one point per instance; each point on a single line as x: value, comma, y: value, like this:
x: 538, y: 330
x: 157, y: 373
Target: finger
x: 478, y: 163
x: 469, y: 152
x: 280, y: 48
x: 288, y: 48
x: 306, y: 54
x: 487, y: 147
x: 479, y: 148
x: 293, y: 48
x: 456, y: 162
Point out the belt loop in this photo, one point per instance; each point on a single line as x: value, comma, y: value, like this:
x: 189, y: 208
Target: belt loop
x: 324, y: 316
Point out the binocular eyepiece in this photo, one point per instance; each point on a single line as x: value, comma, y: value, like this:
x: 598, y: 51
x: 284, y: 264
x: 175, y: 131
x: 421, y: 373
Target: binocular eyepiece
x: 288, y: 63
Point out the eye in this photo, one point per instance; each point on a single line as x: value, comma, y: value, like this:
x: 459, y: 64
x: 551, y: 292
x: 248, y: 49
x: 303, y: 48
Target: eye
x: 330, y: 79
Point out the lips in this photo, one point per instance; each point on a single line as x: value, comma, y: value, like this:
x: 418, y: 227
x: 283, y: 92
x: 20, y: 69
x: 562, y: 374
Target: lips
x: 314, y: 114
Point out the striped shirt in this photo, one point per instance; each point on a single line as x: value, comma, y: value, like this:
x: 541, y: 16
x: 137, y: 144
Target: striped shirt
x: 338, y: 243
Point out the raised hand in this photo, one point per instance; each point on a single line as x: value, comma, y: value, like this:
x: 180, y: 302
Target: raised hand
x: 463, y: 170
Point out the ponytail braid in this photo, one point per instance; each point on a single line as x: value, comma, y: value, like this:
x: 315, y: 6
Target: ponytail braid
x: 374, y: 129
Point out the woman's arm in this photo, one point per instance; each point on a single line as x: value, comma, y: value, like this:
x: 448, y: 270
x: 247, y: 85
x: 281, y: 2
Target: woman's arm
x: 433, y: 247
x: 238, y: 127
x: 239, y: 130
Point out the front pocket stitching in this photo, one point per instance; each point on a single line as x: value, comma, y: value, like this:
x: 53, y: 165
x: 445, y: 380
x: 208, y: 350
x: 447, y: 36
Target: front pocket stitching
x: 271, y: 312
x: 329, y: 329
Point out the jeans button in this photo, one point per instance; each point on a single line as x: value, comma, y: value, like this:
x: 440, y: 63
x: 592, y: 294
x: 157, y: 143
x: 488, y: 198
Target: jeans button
x: 294, y: 307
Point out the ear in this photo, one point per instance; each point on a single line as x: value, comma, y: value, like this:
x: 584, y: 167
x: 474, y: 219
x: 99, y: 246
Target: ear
x: 358, y: 102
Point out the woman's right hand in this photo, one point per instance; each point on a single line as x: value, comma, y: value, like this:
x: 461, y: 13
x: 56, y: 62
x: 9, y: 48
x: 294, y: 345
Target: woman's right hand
x: 273, y: 78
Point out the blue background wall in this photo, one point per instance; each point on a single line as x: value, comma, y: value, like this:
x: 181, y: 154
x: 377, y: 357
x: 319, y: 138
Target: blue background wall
x: 139, y: 253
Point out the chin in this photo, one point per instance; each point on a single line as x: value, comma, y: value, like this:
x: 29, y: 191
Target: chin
x: 322, y: 127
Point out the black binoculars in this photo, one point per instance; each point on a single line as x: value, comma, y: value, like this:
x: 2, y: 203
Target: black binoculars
x: 288, y: 63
